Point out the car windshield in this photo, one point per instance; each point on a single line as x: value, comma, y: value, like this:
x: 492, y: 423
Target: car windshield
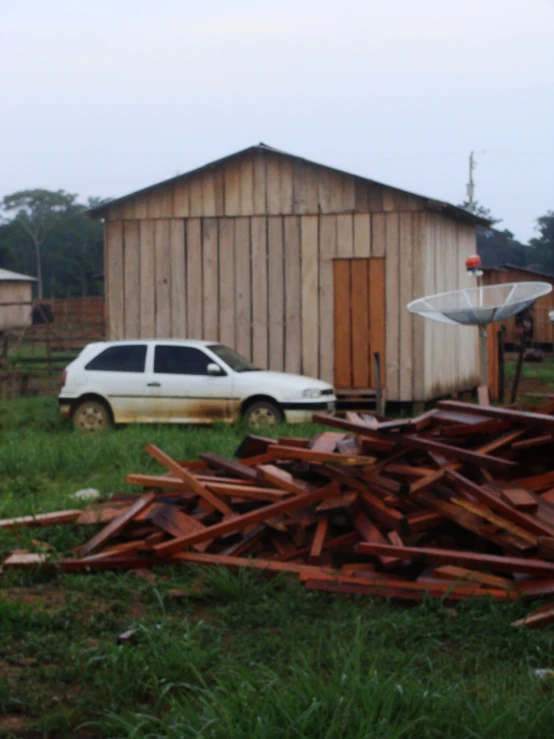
x: 231, y: 358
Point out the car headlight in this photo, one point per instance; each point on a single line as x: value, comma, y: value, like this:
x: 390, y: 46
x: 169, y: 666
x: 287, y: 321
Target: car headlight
x: 311, y: 392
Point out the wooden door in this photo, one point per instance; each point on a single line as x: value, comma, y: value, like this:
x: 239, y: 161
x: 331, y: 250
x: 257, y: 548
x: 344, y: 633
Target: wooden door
x: 359, y: 306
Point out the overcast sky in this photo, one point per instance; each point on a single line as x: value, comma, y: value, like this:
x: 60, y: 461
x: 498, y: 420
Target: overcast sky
x: 103, y: 97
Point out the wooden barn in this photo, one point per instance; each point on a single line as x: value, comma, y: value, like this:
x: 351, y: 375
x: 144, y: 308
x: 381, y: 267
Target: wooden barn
x: 543, y: 329
x: 16, y: 292
x: 298, y: 266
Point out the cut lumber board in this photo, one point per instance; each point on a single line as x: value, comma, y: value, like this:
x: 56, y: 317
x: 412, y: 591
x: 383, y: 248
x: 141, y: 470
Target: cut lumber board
x: 370, y: 533
x: 536, y: 620
x: 116, y: 524
x: 359, y: 428
x: 451, y: 572
x: 268, y: 565
x: 533, y: 442
x: 389, y: 517
x: 25, y: 559
x: 238, y: 469
x: 188, y: 478
x: 530, y: 523
x: 456, y: 453
x: 251, y: 492
x: 239, y: 523
x: 318, y: 540
x: 473, y: 560
x: 41, y: 519
x: 310, y: 455
x: 176, y: 523
x: 522, y: 418
x: 519, y: 498
x: 403, y: 590
x: 326, y: 442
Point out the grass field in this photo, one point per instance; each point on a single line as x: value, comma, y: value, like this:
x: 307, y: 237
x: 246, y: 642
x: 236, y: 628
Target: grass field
x: 536, y: 377
x: 237, y: 656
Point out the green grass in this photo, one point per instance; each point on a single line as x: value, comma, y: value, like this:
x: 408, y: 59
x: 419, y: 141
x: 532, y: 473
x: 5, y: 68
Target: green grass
x: 238, y: 656
x: 541, y: 371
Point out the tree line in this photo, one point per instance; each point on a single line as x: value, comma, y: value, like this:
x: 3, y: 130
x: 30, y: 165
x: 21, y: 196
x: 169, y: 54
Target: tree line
x: 499, y: 246
x: 48, y: 235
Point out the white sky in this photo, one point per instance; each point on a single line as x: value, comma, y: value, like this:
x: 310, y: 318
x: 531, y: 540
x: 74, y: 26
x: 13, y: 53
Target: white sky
x: 103, y: 97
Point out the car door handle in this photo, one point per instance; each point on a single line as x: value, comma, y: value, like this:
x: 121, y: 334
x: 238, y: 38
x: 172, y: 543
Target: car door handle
x: 153, y: 384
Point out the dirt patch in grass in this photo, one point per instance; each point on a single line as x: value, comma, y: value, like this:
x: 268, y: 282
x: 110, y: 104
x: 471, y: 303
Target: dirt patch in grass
x: 48, y: 600
x: 14, y: 724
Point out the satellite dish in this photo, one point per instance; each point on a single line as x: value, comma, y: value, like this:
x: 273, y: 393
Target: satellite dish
x: 479, y: 306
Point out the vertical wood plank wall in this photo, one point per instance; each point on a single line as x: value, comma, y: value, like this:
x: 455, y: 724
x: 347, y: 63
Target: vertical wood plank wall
x: 451, y: 359
x: 15, y: 316
x: 244, y: 254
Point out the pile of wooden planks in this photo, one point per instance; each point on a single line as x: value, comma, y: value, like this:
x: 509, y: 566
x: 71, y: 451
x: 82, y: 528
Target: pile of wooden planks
x: 457, y: 503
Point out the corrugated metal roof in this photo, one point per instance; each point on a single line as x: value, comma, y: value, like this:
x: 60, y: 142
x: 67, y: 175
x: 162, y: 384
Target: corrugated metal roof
x: 7, y: 275
x: 453, y: 211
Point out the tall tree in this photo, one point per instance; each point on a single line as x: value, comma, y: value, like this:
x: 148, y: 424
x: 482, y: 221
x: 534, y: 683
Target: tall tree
x: 37, y: 212
x: 542, y: 247
x: 496, y: 247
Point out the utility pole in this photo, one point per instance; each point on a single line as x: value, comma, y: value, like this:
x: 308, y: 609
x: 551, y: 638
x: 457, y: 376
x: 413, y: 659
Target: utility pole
x: 471, y: 184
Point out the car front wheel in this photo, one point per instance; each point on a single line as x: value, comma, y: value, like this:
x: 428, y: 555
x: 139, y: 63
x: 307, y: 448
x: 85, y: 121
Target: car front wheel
x: 262, y: 414
x: 91, y: 415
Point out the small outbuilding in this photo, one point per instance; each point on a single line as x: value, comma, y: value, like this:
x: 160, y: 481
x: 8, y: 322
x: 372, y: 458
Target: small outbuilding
x: 542, y: 328
x: 298, y: 266
x: 16, y: 293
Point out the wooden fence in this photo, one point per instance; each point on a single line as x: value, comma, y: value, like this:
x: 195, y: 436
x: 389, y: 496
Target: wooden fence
x: 33, y: 357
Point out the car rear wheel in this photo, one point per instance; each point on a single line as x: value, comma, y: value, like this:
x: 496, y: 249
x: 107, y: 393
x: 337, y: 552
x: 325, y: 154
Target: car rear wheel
x: 262, y: 413
x: 91, y: 415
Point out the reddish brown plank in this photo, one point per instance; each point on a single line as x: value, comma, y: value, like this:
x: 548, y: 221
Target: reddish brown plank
x: 342, y: 323
x: 360, y: 323
x: 279, y: 451
x: 452, y: 452
x: 389, y: 517
x: 250, y: 492
x: 520, y: 499
x: 318, y: 540
x: 326, y: 442
x: 474, y: 560
x: 377, y: 317
x: 530, y: 523
x: 451, y: 572
x: 522, y: 418
x: 116, y: 524
x: 188, y: 478
x: 371, y: 533
x: 239, y: 523
x: 403, y: 590
x: 238, y: 469
x: 41, y: 519
x: 536, y: 620
x: 533, y: 442
x: 176, y: 523
x: 267, y: 565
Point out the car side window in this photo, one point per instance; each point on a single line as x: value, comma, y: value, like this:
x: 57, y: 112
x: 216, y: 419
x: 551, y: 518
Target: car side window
x: 125, y: 358
x: 180, y: 360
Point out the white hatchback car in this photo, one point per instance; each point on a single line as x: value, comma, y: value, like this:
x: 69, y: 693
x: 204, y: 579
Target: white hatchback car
x: 173, y: 381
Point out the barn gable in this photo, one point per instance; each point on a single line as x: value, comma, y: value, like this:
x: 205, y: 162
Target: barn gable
x: 264, y: 181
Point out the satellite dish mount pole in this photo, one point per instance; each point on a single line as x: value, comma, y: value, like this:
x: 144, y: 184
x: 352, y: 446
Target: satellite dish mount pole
x: 473, y: 267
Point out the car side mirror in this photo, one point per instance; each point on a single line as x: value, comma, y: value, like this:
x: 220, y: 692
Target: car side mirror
x: 214, y: 369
